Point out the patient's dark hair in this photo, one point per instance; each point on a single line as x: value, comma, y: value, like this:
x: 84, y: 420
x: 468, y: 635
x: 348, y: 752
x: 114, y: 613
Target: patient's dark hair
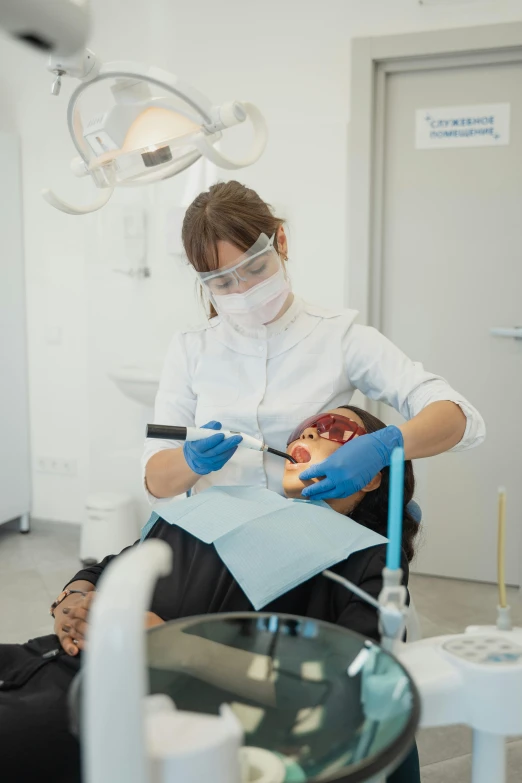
x: 372, y: 511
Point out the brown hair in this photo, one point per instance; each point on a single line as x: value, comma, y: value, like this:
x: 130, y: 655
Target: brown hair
x: 372, y: 511
x: 229, y: 212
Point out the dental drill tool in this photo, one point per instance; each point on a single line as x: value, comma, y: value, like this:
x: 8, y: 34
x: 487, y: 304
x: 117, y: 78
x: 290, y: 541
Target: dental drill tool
x: 165, y: 432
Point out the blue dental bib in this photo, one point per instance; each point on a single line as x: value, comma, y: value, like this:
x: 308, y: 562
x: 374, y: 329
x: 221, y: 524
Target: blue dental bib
x: 270, y: 544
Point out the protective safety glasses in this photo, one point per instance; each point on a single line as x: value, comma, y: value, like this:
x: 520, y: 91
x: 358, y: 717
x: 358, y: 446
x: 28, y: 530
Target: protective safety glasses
x: 330, y: 426
x: 259, y: 263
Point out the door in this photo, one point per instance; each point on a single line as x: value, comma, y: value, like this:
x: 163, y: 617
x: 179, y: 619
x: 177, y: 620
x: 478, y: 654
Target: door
x: 15, y: 486
x: 451, y: 270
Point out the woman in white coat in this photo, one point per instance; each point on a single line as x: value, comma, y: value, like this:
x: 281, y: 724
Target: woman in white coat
x: 266, y: 360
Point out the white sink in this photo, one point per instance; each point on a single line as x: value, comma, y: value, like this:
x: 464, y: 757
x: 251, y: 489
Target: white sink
x: 137, y: 382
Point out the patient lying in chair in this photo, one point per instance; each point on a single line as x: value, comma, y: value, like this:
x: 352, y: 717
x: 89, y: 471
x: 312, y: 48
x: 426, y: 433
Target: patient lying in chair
x: 34, y: 677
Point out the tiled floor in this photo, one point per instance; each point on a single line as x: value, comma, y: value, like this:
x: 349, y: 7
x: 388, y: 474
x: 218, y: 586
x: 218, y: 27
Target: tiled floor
x: 34, y: 568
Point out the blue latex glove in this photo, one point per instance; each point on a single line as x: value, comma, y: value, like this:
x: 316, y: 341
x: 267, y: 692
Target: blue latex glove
x: 353, y: 466
x: 209, y: 454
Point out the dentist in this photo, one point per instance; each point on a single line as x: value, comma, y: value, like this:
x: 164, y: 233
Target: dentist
x: 266, y: 360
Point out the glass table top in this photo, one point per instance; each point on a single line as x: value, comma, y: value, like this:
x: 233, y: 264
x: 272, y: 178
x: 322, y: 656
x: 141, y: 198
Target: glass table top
x: 329, y: 704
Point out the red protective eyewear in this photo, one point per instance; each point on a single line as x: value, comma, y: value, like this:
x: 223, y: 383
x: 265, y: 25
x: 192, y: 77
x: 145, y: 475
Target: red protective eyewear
x: 331, y: 426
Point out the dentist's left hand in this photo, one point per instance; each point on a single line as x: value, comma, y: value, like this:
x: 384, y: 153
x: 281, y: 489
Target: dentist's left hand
x: 353, y: 466
x: 205, y: 456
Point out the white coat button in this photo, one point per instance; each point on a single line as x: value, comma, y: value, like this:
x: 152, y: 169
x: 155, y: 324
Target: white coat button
x: 260, y: 348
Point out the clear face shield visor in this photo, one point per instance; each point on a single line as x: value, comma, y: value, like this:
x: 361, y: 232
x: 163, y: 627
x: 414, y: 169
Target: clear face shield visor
x: 257, y: 265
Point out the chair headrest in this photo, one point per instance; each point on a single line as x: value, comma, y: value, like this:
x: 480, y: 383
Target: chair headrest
x: 415, y: 511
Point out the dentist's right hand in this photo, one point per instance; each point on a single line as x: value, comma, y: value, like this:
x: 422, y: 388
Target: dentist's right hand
x: 209, y: 454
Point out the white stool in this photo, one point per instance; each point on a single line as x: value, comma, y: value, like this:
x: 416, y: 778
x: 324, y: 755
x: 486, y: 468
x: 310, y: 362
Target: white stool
x: 110, y: 524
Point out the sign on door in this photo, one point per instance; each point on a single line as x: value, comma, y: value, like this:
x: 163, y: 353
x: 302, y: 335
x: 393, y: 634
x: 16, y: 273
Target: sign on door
x: 485, y: 125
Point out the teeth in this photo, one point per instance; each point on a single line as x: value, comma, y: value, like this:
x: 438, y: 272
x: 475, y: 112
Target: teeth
x: 301, y: 454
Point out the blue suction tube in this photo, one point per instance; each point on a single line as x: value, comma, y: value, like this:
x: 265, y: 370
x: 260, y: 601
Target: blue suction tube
x: 395, y: 505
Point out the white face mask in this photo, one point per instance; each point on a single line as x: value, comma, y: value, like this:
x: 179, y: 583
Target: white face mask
x: 257, y: 306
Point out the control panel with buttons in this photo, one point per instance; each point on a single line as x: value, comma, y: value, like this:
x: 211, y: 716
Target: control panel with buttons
x: 485, y: 649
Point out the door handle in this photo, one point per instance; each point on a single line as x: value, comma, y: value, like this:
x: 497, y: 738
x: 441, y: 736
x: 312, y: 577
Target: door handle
x: 507, y: 331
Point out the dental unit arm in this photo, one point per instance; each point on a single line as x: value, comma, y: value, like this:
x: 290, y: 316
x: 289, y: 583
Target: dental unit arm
x: 474, y: 678
x: 148, y: 739
x: 165, y: 432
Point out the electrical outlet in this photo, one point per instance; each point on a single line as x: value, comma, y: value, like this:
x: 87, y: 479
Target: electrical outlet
x: 69, y: 467
x: 41, y: 465
x: 56, y: 465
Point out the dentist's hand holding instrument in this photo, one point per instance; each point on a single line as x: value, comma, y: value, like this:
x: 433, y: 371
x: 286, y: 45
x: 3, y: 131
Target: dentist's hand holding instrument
x: 209, y: 454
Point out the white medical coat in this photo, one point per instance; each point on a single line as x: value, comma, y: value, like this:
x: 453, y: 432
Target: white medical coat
x: 266, y: 381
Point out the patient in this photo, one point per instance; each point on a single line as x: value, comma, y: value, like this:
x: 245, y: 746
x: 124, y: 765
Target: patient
x: 34, y: 677
x: 369, y: 507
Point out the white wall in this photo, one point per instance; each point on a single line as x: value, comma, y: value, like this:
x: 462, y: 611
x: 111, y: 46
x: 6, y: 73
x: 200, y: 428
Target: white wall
x: 292, y: 58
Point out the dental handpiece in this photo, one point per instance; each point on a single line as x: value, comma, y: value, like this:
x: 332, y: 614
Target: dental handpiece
x: 165, y: 432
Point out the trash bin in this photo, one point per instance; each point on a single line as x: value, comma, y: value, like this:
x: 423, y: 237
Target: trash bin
x: 109, y: 525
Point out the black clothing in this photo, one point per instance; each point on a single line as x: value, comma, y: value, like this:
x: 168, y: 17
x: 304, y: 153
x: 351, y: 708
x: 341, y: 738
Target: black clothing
x: 35, y: 742
x: 200, y: 583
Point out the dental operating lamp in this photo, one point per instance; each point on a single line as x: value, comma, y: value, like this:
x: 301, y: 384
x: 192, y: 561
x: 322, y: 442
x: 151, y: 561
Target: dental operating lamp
x: 151, y: 127
x: 147, y: 126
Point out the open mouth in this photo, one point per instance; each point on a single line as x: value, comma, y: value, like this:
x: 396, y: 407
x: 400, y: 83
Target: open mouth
x: 301, y: 453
